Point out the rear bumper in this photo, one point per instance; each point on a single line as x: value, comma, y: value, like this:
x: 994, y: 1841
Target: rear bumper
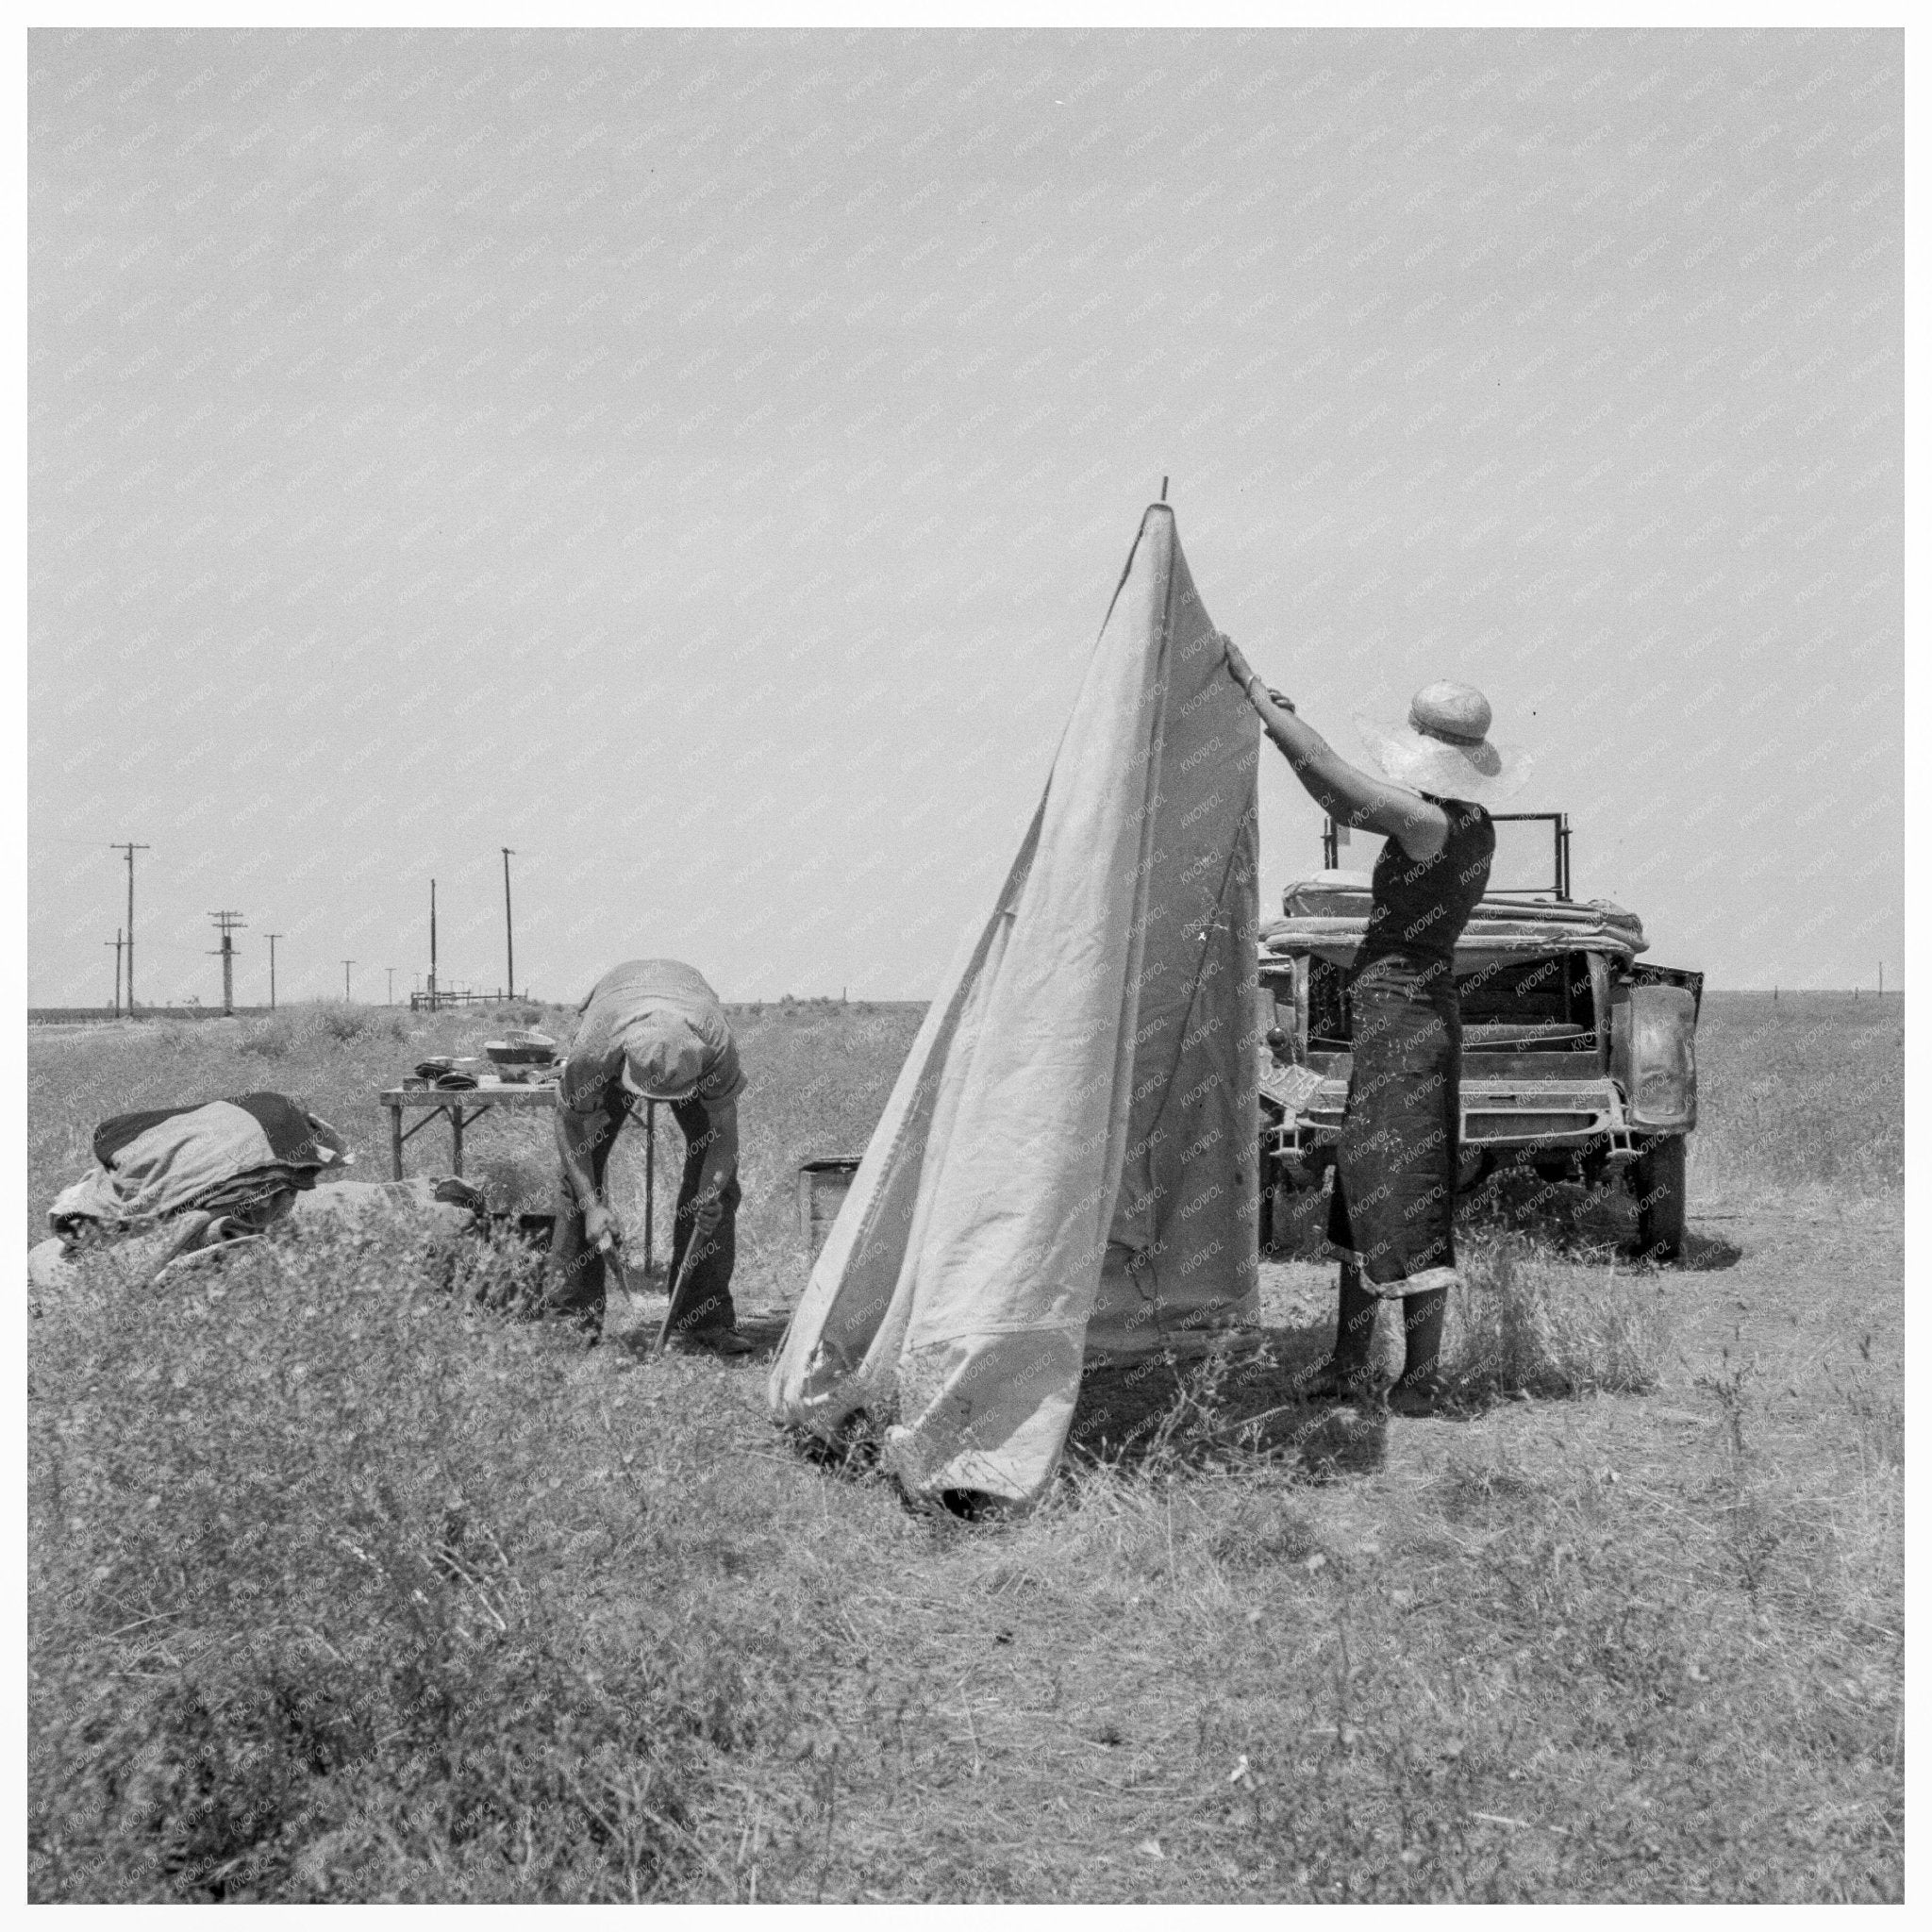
x: 1513, y: 1119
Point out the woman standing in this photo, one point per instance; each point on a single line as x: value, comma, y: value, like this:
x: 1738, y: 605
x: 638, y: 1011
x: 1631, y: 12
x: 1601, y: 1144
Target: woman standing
x: 1389, y: 1216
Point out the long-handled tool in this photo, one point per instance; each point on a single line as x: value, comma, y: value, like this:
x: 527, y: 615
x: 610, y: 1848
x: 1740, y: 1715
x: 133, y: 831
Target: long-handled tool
x: 671, y: 1306
x: 612, y: 1252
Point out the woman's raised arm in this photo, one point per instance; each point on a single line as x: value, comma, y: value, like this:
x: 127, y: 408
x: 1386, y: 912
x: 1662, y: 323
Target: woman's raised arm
x: 1349, y: 796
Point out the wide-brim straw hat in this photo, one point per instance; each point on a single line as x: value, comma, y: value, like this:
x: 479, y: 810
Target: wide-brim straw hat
x: 1444, y: 748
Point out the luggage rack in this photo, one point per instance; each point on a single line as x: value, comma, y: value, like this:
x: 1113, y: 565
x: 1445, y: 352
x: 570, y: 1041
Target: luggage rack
x: 1558, y: 822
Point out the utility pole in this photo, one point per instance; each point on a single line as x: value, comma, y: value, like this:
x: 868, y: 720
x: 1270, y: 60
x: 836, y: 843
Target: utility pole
x: 432, y: 945
x: 510, y: 937
x: 116, y: 943
x: 391, y: 972
x: 346, y: 964
x: 227, y: 922
x: 129, y: 846
x: 272, y: 939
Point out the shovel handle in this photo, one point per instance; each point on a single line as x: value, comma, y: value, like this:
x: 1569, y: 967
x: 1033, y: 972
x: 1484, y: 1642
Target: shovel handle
x: 670, y: 1306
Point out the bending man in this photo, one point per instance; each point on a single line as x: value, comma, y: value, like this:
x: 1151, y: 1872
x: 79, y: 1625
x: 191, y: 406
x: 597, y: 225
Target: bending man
x: 651, y: 1029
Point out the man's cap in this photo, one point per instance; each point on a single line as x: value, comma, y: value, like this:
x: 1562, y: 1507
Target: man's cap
x: 663, y: 1059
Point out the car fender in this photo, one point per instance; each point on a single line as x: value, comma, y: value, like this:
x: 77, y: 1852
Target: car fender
x: 1654, y: 1054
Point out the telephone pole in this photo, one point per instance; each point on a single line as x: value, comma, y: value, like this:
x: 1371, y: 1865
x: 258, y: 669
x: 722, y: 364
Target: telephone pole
x: 391, y: 972
x: 272, y: 939
x: 116, y: 943
x: 227, y: 922
x: 346, y: 964
x: 510, y: 937
x: 432, y: 945
x: 129, y: 846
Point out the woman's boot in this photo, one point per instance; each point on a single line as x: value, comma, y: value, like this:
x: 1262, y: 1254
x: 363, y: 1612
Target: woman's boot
x: 1344, y: 1377
x: 1420, y: 1389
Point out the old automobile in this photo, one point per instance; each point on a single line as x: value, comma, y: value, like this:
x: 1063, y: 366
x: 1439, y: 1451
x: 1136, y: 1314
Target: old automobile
x: 1579, y: 1058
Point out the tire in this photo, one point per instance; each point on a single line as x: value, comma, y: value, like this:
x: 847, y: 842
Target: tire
x: 1658, y: 1178
x: 1298, y: 1223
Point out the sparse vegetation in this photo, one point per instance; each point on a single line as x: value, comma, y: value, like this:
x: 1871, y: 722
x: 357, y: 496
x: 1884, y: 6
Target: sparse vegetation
x: 343, y: 1586
x: 341, y: 1020
x: 1528, y: 1320
x: 1802, y: 1094
x: 273, y: 1038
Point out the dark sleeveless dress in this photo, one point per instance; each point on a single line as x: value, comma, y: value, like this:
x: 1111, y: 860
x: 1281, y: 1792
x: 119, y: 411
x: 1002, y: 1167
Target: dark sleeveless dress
x: 1395, y: 1167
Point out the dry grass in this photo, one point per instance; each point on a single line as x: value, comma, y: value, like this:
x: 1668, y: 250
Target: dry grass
x: 1528, y: 1320
x: 342, y: 1588
x: 1803, y: 1094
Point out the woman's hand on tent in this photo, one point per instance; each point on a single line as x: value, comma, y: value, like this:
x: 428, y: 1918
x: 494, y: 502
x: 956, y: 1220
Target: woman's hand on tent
x: 600, y: 1227
x: 1247, y: 677
x: 1237, y: 667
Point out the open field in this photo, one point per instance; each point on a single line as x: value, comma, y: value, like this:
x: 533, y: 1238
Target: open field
x: 344, y: 1588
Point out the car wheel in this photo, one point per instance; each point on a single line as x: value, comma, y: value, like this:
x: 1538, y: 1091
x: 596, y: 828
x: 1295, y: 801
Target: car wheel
x: 1298, y: 1222
x: 1658, y: 1178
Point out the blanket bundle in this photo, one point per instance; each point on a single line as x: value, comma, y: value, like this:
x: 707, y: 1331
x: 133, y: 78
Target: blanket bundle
x: 244, y: 1160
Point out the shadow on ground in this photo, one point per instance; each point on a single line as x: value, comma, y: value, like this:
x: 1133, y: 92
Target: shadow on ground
x: 764, y: 1333
x: 1240, y: 1405
x: 1573, y: 1220
x: 1564, y: 1217
x: 764, y: 1328
x: 1707, y: 1254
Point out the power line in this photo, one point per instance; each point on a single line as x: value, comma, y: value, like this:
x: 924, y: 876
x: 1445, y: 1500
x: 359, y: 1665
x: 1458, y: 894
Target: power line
x: 510, y: 937
x: 130, y: 848
x: 227, y: 922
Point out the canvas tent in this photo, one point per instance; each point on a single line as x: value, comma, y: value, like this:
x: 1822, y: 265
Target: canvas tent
x: 1066, y: 1165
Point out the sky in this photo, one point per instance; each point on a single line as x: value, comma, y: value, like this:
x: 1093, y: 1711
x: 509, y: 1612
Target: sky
x: 701, y: 462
